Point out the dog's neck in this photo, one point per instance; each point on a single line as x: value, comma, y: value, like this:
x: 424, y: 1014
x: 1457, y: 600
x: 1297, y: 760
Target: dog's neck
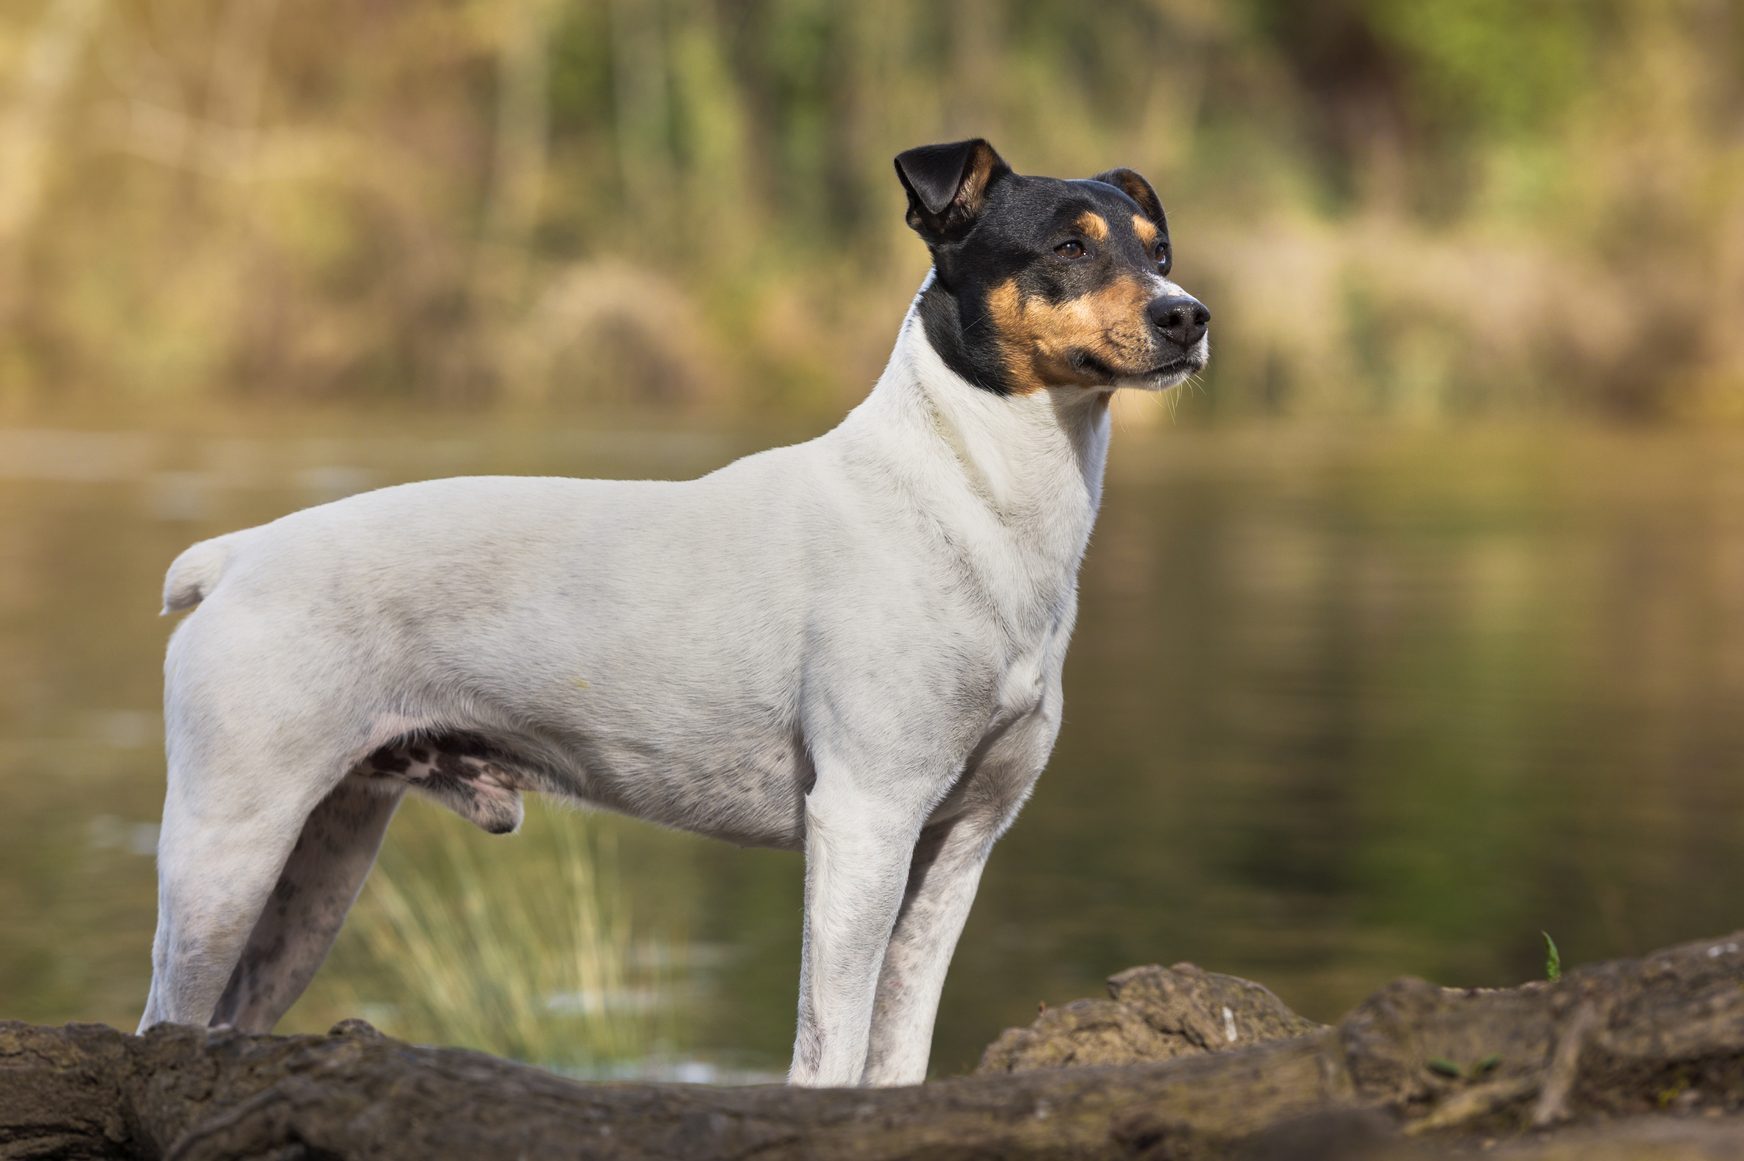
x: 1025, y: 470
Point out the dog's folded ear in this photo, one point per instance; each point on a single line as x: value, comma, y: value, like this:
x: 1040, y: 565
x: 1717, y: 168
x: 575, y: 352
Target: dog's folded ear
x: 1134, y: 186
x: 947, y: 185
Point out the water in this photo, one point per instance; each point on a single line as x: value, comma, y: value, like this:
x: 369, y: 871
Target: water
x: 1344, y: 704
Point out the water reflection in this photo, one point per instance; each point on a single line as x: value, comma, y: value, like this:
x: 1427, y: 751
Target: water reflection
x: 1343, y: 705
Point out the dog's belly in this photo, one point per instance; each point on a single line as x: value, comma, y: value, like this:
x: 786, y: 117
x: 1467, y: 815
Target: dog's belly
x: 748, y: 790
x: 745, y: 789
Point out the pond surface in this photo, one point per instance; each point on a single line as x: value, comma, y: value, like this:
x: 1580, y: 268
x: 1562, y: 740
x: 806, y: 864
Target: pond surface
x: 1343, y: 705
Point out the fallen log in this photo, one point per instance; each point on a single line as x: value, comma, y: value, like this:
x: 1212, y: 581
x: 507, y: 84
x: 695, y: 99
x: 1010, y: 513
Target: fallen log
x: 1649, y: 1051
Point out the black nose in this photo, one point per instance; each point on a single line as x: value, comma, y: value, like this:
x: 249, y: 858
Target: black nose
x: 1181, y: 317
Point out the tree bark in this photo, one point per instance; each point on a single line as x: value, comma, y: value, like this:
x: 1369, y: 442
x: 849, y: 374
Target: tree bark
x: 1637, y: 1058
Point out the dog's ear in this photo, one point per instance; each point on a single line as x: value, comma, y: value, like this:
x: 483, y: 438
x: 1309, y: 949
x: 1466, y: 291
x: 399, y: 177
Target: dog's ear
x: 1134, y: 186
x: 947, y: 185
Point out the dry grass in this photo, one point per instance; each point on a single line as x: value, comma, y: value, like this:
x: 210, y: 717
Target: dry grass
x: 531, y: 958
x: 677, y: 201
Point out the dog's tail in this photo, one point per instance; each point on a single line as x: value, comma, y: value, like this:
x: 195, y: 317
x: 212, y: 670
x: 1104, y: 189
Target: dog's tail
x: 194, y: 573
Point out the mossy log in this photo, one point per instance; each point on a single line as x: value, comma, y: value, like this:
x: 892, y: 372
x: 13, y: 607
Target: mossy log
x: 1638, y: 1058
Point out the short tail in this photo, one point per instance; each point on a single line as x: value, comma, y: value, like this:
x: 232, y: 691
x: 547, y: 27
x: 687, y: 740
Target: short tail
x: 194, y: 573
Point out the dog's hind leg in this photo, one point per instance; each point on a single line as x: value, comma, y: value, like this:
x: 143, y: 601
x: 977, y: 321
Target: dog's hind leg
x: 239, y: 794
x: 308, y: 904
x: 215, y: 872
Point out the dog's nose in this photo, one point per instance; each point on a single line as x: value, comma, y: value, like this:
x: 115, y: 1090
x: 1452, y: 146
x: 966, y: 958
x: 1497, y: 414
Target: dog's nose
x: 1181, y: 317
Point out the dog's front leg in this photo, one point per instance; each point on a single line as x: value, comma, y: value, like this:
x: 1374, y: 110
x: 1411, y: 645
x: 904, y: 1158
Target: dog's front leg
x: 941, y: 887
x: 857, y: 850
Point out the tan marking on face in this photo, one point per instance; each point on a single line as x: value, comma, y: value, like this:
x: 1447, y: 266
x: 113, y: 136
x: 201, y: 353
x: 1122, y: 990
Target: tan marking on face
x: 1093, y: 226
x: 1146, y: 231
x: 1004, y: 307
x: 1037, y: 338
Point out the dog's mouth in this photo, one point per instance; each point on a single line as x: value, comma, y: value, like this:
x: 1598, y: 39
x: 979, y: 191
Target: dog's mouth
x: 1183, y: 366
x: 1163, y: 375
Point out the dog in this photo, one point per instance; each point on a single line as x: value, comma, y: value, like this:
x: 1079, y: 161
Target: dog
x: 850, y: 647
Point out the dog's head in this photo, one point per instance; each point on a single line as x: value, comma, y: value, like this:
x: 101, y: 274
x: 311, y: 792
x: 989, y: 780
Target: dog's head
x: 1042, y: 283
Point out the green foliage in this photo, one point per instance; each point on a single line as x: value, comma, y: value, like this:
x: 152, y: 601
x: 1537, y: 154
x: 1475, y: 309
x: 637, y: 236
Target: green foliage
x: 1552, y: 958
x: 1492, y: 68
x: 1401, y: 208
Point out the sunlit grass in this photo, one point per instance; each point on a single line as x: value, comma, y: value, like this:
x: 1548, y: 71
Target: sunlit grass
x: 531, y: 957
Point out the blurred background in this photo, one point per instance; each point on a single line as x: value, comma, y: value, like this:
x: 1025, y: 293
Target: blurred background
x: 1414, y: 630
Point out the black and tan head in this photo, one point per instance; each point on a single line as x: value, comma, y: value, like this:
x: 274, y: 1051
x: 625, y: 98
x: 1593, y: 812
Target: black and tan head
x: 1041, y: 283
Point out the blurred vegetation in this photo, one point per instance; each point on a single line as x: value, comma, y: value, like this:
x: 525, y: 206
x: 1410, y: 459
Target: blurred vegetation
x: 530, y: 958
x: 1395, y: 207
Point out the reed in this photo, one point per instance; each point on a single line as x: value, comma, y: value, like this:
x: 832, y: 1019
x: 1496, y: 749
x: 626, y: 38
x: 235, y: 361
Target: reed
x: 531, y: 958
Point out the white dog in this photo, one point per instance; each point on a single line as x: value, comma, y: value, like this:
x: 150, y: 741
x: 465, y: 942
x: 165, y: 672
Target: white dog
x: 851, y: 646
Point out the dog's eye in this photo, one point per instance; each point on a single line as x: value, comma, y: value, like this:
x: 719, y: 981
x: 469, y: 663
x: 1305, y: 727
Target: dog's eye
x: 1071, y: 248
x: 1163, y: 257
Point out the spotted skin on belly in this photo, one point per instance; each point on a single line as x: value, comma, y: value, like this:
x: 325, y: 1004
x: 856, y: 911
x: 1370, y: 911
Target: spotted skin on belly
x: 465, y: 772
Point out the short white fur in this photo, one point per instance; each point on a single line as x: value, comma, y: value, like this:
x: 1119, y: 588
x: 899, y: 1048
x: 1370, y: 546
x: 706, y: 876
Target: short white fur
x: 851, y: 646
